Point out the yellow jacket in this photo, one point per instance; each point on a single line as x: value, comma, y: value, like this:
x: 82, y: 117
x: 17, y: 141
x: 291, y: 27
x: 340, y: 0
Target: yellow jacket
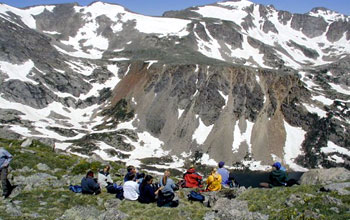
x: 214, y: 182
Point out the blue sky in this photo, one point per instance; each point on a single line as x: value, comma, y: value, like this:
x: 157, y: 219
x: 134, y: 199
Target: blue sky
x: 157, y: 7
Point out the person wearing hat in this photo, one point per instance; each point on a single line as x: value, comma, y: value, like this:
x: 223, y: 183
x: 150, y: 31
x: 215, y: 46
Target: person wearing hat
x: 192, y: 178
x: 224, y: 174
x: 277, y: 177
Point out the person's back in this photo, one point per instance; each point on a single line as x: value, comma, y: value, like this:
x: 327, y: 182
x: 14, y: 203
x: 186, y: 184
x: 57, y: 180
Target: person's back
x: 131, y: 189
x: 147, y: 194
x: 147, y: 191
x: 167, y: 183
x: 5, y: 159
x: 278, y: 178
x: 214, y: 181
x: 224, y: 173
x: 89, y: 185
x: 192, y: 179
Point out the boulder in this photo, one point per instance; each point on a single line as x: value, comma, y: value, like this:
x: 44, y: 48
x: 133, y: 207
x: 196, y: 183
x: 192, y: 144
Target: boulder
x: 341, y: 188
x: 42, y: 167
x: 36, y: 180
x: 81, y: 213
x: 112, y: 203
x: 325, y: 176
x: 113, y: 214
x: 13, y: 210
x: 233, y: 210
x: 27, y: 142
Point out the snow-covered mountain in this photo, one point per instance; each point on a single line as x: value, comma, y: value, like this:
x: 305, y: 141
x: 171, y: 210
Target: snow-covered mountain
x: 233, y: 81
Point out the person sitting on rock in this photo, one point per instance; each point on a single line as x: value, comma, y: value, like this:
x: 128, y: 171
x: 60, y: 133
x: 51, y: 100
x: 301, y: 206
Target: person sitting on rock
x: 131, y: 188
x: 214, y: 181
x: 89, y: 185
x: 277, y: 177
x: 131, y: 170
x: 104, y: 178
x: 224, y: 174
x: 166, y: 197
x: 147, y: 192
x: 192, y: 178
x: 168, y: 184
x: 5, y: 159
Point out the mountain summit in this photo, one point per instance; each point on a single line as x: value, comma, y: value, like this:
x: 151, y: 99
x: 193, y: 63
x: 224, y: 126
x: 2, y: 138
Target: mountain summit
x: 233, y: 81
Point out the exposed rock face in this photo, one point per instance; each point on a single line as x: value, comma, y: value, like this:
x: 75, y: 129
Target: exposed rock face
x: 232, y: 210
x: 325, y: 176
x: 202, y: 88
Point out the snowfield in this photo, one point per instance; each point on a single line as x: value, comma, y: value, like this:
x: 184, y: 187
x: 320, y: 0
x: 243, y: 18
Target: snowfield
x: 92, y: 46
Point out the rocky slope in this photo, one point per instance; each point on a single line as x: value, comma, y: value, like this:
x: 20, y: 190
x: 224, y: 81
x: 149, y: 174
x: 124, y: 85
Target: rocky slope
x: 233, y: 81
x: 42, y: 177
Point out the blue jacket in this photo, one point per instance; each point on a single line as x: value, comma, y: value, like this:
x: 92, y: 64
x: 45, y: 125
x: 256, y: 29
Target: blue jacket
x: 168, y: 187
x: 224, y: 175
x: 147, y: 194
x: 5, y: 158
x: 89, y: 185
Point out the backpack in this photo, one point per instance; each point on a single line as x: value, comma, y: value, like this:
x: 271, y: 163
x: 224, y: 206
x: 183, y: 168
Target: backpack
x: 75, y: 188
x: 194, y: 196
x: 113, y: 188
x: 164, y: 200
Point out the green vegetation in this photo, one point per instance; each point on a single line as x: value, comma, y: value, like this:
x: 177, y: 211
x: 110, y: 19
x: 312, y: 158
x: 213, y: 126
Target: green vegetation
x: 185, y: 210
x: 51, y: 201
x: 37, y: 153
x: 310, y: 203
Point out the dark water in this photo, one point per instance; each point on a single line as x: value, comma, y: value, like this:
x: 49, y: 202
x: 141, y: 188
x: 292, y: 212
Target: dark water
x: 253, y: 179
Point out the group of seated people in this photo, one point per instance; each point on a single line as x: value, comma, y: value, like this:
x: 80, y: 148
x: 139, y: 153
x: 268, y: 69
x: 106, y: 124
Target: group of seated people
x: 140, y: 187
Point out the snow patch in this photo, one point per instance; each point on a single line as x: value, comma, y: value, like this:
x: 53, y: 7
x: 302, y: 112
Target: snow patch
x: 18, y: 72
x: 51, y: 32
x: 321, y: 113
x: 207, y: 161
x: 180, y: 112
x: 340, y: 89
x: 211, y: 48
x: 324, y: 100
x: 224, y: 96
x: 239, y: 137
x: 27, y: 15
x: 336, y: 159
x: 150, y: 62
x: 202, y: 132
x: 256, y: 165
x: 292, y: 148
x: 333, y: 148
x: 62, y: 146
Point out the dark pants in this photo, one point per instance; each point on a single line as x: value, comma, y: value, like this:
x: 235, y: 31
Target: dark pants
x: 6, y: 186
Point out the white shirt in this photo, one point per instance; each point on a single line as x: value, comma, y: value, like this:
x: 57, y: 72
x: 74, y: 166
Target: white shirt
x: 131, y: 190
x: 102, y: 179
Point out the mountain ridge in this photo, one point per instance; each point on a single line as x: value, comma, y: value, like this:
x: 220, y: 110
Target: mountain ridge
x: 249, y: 88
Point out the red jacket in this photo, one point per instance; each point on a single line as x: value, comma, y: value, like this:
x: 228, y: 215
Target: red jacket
x: 192, y: 179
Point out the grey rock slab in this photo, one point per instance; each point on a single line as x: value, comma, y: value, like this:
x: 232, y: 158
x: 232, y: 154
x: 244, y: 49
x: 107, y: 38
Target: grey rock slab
x: 13, y: 210
x: 113, y: 214
x: 27, y: 142
x: 325, y: 176
x: 339, y: 187
x: 42, y: 167
x: 81, y: 213
x: 234, y: 210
